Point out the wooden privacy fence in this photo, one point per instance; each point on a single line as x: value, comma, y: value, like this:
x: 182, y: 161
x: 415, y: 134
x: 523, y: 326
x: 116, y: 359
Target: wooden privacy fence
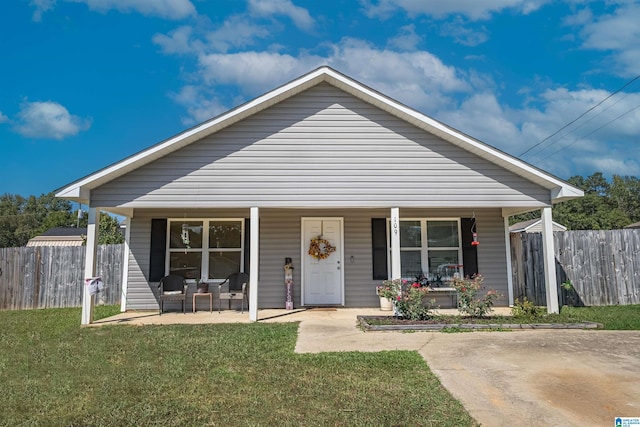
x: 602, y: 265
x: 53, y: 276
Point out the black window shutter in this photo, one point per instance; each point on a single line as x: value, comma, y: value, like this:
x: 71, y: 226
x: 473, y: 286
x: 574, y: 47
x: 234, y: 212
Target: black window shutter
x: 379, y: 248
x: 158, y: 249
x: 469, y: 251
x: 247, y: 245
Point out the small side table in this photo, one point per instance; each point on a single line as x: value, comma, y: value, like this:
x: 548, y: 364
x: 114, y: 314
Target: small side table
x: 206, y: 294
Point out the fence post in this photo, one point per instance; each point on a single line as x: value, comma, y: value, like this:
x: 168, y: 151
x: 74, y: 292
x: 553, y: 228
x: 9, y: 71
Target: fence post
x: 549, y: 261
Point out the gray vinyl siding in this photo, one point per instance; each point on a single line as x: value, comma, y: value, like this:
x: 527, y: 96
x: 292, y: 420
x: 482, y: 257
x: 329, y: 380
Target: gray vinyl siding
x: 321, y: 148
x: 280, y: 234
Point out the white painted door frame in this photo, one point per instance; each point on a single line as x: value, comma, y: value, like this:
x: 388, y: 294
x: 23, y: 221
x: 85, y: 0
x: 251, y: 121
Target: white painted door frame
x: 304, y: 245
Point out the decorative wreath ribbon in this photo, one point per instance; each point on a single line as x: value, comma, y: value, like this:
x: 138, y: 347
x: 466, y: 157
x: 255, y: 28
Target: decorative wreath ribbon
x: 320, y: 248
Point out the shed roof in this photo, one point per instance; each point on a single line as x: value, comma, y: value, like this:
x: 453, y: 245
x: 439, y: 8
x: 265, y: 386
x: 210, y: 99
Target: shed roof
x: 60, y: 236
x: 525, y: 226
x: 79, y: 190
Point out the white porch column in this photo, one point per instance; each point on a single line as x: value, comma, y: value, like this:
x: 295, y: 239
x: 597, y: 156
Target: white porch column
x: 507, y: 245
x: 90, y: 265
x: 549, y: 261
x: 254, y: 263
x: 396, y: 271
x: 125, y: 265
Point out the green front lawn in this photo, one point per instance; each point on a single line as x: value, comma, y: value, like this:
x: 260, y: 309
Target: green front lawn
x: 54, y: 373
x: 614, y: 317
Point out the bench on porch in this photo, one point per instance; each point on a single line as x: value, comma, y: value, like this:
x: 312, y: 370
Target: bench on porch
x: 446, y: 291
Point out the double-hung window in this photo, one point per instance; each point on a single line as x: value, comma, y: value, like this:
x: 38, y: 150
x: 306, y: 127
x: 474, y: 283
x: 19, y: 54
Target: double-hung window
x: 205, y: 248
x: 430, y: 247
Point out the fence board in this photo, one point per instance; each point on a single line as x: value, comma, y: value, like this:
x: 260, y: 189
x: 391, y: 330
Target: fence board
x: 603, y: 266
x: 53, y: 276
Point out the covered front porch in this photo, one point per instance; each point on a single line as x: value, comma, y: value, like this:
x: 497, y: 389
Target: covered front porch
x: 273, y: 234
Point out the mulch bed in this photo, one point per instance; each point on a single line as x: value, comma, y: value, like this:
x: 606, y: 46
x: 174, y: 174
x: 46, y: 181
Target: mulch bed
x: 390, y: 323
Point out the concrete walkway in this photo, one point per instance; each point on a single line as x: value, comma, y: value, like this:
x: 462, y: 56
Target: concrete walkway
x: 532, y: 378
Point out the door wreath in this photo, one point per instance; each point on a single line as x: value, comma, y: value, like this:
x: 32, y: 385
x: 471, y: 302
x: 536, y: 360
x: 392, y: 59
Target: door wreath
x: 320, y: 248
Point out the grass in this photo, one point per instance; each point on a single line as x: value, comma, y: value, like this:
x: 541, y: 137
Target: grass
x: 55, y: 373
x: 612, y: 317
x: 615, y: 317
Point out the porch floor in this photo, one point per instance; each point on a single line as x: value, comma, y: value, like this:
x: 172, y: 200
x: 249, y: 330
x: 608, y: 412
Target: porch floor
x: 338, y: 315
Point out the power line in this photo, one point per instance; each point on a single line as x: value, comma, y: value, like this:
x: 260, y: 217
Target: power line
x: 581, y: 115
x: 591, y: 133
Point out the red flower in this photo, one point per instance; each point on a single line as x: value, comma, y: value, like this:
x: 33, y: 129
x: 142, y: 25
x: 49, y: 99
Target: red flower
x: 464, y: 289
x: 416, y: 285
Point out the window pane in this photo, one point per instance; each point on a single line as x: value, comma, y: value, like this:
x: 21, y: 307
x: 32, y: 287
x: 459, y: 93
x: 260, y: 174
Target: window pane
x: 410, y: 234
x: 185, y: 234
x: 225, y: 234
x: 443, y: 264
x: 222, y: 264
x: 187, y: 265
x: 411, y: 264
x: 442, y: 234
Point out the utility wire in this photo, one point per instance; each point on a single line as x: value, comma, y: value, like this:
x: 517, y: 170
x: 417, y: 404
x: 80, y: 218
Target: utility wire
x: 580, y: 116
x: 539, y: 153
x: 591, y: 133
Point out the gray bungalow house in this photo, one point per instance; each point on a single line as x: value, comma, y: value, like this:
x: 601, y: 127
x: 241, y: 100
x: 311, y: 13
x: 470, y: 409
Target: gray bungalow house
x: 350, y: 184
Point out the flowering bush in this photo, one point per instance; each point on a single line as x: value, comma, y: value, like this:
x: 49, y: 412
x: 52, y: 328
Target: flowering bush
x: 410, y: 303
x: 390, y: 288
x: 468, y: 301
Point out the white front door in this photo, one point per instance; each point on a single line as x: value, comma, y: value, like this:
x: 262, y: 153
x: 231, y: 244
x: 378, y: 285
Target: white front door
x: 322, y: 279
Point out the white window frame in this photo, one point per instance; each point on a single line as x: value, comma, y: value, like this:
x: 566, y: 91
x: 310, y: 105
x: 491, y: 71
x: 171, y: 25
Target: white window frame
x: 205, y: 249
x: 424, y: 248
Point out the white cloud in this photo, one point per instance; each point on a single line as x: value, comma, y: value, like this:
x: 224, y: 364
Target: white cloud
x: 169, y: 9
x: 419, y: 78
x: 178, y: 41
x: 237, y: 31
x: 603, y: 140
x: 462, y: 34
x: 201, y: 105
x: 48, y: 120
x: 41, y: 6
x: 618, y: 32
x: 3, y: 118
x: 266, y: 8
x: 407, y: 39
x: 472, y: 9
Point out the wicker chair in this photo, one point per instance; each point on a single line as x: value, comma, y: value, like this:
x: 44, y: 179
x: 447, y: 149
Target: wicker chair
x: 237, y: 285
x: 172, y: 288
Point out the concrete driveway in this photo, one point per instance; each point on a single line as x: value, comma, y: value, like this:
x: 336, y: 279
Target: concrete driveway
x: 540, y: 378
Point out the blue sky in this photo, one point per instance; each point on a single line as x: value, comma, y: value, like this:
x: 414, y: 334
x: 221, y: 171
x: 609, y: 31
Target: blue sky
x: 85, y: 83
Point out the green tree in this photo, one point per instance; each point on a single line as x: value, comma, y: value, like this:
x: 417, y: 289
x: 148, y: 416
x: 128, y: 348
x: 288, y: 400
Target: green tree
x: 109, y: 232
x: 597, y: 210
x: 23, y: 218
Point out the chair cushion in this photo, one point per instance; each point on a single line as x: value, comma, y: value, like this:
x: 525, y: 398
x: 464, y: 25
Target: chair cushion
x: 171, y: 292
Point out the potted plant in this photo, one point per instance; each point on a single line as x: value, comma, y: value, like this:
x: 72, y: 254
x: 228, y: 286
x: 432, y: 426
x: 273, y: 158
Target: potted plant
x: 388, y: 292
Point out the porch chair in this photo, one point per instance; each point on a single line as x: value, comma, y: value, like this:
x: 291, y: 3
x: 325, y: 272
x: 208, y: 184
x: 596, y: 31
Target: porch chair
x: 237, y: 285
x: 172, y: 288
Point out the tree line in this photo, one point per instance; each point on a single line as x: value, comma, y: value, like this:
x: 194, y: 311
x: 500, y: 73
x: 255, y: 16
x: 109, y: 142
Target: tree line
x: 22, y: 218
x: 606, y: 205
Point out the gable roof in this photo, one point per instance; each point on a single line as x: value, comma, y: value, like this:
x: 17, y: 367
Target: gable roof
x: 79, y: 190
x: 526, y: 226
